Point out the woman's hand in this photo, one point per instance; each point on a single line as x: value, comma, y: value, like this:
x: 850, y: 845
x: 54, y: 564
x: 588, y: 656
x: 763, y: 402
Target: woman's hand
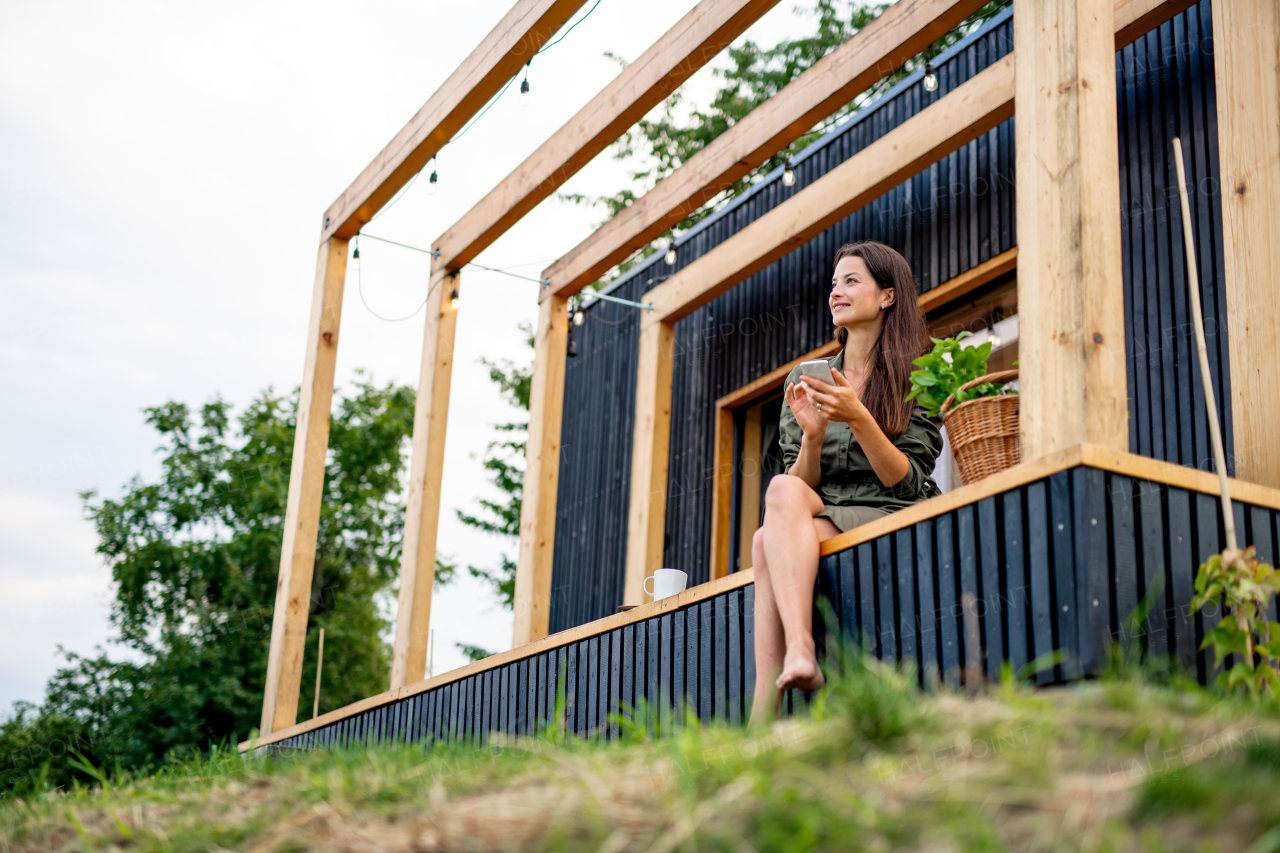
x: 838, y: 402
x: 812, y: 421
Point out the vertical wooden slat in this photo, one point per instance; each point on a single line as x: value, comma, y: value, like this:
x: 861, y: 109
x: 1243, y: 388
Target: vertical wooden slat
x: 640, y: 674
x: 735, y: 656
x: 614, y: 694
x: 592, y: 696
x: 1038, y: 558
x: 993, y: 615
x: 422, y: 505
x: 1093, y: 599
x: 1155, y: 588
x: 1246, y: 56
x: 720, y: 668
x: 1070, y: 282
x: 908, y: 623
x: 1018, y: 597
x: 748, y: 647
x: 948, y: 597
x: 1064, y: 572
x: 532, y: 603
x: 691, y: 665
x: 928, y: 603
x: 866, y: 579
x: 665, y: 640
x: 629, y: 670
x: 679, y: 639
x: 886, y: 613
x: 967, y: 557
x: 1183, y: 570
x: 706, y: 665
x: 306, y: 488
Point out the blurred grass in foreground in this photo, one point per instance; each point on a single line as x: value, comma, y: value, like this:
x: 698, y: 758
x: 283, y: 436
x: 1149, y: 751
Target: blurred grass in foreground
x: 1120, y: 764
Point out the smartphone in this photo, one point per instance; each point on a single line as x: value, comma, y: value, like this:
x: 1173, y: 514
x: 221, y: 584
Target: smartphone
x: 819, y: 369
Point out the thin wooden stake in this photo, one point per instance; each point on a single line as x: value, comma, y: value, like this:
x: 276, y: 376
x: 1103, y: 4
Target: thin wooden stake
x: 1210, y: 402
x: 315, y: 708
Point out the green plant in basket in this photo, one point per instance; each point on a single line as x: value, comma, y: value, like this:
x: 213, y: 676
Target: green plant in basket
x: 947, y: 367
x: 1242, y: 588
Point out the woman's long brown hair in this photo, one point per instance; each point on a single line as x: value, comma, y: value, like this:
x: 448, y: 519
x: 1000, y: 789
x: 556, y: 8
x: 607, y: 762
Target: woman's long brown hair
x: 904, y: 336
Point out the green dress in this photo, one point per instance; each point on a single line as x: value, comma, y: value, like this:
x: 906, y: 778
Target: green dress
x: 850, y: 489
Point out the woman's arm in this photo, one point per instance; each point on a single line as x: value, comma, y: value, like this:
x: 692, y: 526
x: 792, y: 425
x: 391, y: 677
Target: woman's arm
x: 840, y: 403
x: 808, y: 464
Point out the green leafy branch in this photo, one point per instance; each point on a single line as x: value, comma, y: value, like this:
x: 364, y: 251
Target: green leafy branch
x: 1243, y: 588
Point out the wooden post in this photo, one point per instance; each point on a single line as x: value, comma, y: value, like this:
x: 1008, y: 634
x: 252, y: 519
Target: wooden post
x: 306, y: 488
x: 1070, y: 289
x: 1246, y: 59
x: 647, y: 515
x: 422, y: 513
x: 541, y: 474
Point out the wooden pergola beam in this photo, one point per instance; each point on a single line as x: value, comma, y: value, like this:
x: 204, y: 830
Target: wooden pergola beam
x: 899, y: 33
x: 512, y: 43
x: 1246, y: 38
x: 532, y: 603
x: 426, y: 470
x: 693, y: 42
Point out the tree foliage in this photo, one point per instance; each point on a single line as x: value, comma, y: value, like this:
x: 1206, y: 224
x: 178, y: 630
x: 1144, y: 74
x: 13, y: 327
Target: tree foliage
x: 504, y: 462
x: 194, y: 558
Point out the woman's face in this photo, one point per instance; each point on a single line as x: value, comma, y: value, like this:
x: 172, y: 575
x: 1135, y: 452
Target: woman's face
x: 855, y: 298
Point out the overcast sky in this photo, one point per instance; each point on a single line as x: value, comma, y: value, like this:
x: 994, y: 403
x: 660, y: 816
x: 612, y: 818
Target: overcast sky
x: 163, y: 171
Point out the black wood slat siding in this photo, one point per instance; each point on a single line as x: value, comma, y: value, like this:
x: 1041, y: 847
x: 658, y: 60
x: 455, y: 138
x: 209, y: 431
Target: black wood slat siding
x: 1072, y: 588
x: 949, y: 218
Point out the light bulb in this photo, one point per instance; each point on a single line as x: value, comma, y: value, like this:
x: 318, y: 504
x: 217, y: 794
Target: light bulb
x: 453, y: 299
x: 578, y: 317
x: 995, y: 342
x: 930, y: 77
x: 431, y: 183
x: 671, y: 254
x: 524, y: 92
x: 355, y: 256
x: 788, y: 173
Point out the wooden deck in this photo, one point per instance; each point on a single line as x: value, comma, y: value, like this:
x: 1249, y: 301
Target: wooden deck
x: 1058, y: 553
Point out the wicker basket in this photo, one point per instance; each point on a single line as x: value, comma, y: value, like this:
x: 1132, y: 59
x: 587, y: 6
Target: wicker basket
x: 984, y: 432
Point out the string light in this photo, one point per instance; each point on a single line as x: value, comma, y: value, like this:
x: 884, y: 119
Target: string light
x: 995, y: 342
x: 571, y: 348
x: 578, y: 317
x: 671, y: 254
x: 930, y: 77
x: 453, y: 299
x: 524, y: 86
x: 355, y: 256
x: 788, y: 173
x: 431, y: 183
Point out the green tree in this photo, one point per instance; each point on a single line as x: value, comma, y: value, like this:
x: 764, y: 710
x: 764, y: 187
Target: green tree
x: 194, y: 558
x: 504, y: 462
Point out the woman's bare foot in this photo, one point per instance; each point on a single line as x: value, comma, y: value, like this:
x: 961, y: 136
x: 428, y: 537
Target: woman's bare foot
x: 800, y: 670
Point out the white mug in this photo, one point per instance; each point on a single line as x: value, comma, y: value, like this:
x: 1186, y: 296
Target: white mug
x: 665, y: 582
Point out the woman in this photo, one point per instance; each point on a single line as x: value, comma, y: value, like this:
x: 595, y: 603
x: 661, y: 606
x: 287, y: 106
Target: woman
x: 853, y: 451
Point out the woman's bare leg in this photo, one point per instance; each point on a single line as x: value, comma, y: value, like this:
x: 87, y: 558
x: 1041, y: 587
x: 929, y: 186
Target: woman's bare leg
x: 770, y: 645
x: 791, y: 539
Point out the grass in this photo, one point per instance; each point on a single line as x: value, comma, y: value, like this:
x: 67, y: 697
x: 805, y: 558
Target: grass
x: 1123, y: 764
